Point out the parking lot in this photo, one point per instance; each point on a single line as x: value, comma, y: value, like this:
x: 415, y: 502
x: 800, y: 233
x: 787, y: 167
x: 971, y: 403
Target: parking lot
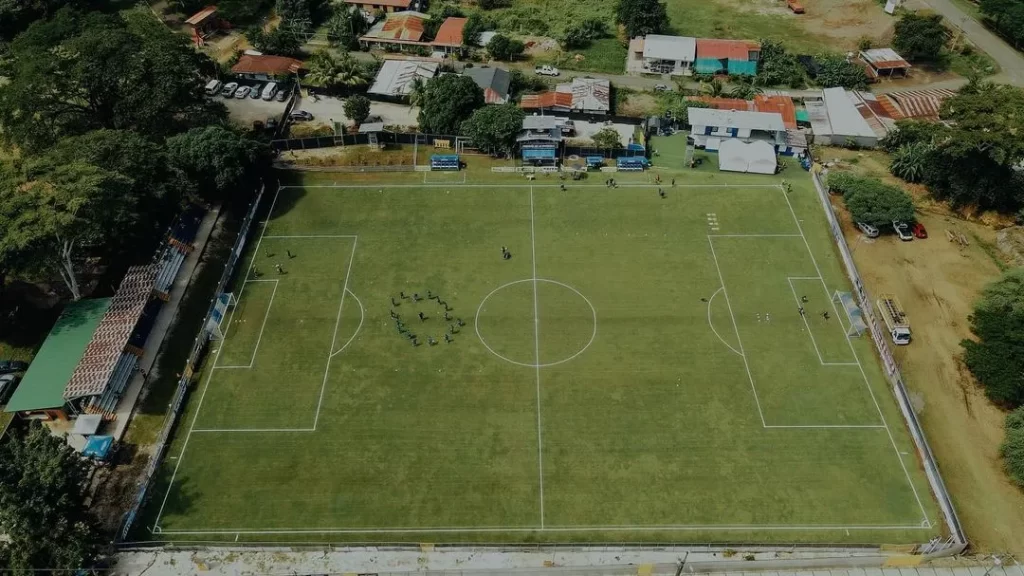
x: 245, y: 111
x: 326, y: 110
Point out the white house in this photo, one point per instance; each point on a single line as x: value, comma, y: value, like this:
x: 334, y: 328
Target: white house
x: 659, y: 54
x: 712, y: 127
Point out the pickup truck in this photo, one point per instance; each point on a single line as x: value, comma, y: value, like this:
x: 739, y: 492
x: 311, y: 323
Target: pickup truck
x: 546, y: 71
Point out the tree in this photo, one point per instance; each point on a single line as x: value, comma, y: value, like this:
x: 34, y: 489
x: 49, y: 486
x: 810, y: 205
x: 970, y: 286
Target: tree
x: 920, y: 36
x: 474, y: 27
x: 493, y: 129
x: 357, y: 108
x: 448, y: 101
x: 492, y: 4
x: 777, y: 67
x: 1012, y: 448
x: 745, y: 90
x: 16, y: 15
x: 75, y: 73
x: 1007, y: 17
x: 417, y: 92
x: 642, y: 17
x: 215, y: 160
x: 57, y: 214
x: 607, y: 138
x: 715, y: 88
x: 910, y: 161
x: 502, y: 47
x: 281, y: 41
x: 996, y: 355
x: 345, y: 27
x: 580, y: 34
x: 909, y: 132
x: 871, y: 201
x: 330, y: 71
x: 678, y: 108
x: 835, y: 70
x: 42, y: 505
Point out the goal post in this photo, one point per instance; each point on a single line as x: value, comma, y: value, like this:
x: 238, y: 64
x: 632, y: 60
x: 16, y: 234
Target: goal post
x: 854, y: 316
x: 220, y: 307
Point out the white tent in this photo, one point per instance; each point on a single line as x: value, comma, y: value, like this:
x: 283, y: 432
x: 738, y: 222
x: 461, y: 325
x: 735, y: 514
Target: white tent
x: 737, y: 156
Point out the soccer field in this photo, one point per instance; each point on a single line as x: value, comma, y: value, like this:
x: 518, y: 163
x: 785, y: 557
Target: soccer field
x: 637, y: 370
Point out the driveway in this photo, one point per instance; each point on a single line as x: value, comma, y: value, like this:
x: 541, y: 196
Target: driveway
x: 1011, y: 61
x: 245, y: 111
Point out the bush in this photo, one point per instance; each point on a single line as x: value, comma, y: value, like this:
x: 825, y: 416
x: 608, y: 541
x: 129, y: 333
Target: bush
x: 996, y: 358
x: 580, y: 34
x: 1012, y: 448
x: 871, y: 201
x: 834, y: 70
x: 502, y: 47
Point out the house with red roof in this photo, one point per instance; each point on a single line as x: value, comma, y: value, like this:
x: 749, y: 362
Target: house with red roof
x: 374, y: 6
x: 736, y: 57
x: 264, y: 67
x: 404, y: 31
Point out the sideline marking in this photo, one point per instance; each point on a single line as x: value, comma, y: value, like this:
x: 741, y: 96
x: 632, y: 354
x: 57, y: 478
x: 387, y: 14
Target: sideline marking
x: 727, y: 345
x: 867, y: 383
x: 252, y: 359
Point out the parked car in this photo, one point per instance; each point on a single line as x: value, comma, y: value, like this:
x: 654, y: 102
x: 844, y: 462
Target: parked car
x: 282, y: 95
x: 254, y: 92
x: 919, y: 230
x: 229, y: 89
x: 242, y: 92
x: 269, y: 91
x: 213, y: 87
x: 902, y: 230
x: 300, y: 116
x: 546, y: 71
x: 868, y: 230
x: 11, y: 366
x: 8, y: 382
x: 661, y: 88
x: 271, y: 123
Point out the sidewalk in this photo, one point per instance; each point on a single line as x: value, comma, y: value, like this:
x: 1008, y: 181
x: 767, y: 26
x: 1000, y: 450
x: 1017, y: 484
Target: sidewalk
x: 164, y: 321
x: 601, y: 561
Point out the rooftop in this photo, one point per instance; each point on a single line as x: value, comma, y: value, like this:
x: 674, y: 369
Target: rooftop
x: 263, y: 64
x: 769, y: 121
x: 725, y: 49
x: 395, y: 76
x: 924, y: 104
x: 884, y: 59
x: 496, y: 79
x: 590, y: 94
x: 550, y: 99
x: 43, y: 385
x: 402, y: 26
x: 201, y: 16
x: 391, y: 3
x: 450, y: 32
x: 671, y: 47
x: 843, y: 115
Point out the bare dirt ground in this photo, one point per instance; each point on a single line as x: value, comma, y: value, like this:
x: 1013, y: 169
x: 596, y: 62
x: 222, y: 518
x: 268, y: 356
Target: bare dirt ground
x: 845, y: 20
x: 938, y: 281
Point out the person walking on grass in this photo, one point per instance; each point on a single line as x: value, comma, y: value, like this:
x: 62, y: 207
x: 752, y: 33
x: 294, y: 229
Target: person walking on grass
x: 422, y: 317
x: 279, y: 269
x: 289, y: 253
x: 825, y: 315
x: 447, y: 338
x: 393, y: 303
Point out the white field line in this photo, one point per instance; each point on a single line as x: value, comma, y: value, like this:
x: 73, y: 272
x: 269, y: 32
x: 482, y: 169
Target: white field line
x: 312, y: 236
x: 252, y: 359
x: 803, y: 316
x: 867, y: 383
x: 825, y: 426
x: 235, y: 430
x: 629, y: 528
x: 754, y: 235
x: 199, y: 406
x: 254, y: 281
x: 536, y: 347
x: 736, y: 328
x: 504, y: 185
x: 334, y: 338
x: 362, y: 316
x: 710, y: 323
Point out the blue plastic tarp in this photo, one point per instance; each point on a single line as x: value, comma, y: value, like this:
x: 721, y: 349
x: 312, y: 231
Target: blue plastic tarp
x: 708, y: 65
x: 742, y: 68
x: 98, y: 447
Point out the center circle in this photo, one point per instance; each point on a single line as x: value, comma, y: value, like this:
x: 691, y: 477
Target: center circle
x: 536, y: 322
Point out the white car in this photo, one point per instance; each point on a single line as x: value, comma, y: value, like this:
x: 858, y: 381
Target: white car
x: 213, y: 87
x: 868, y: 230
x: 902, y: 230
x: 229, y: 89
x: 546, y: 71
x: 242, y: 92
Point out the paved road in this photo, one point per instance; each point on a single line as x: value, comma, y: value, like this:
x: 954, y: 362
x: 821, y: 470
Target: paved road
x: 1010, y: 60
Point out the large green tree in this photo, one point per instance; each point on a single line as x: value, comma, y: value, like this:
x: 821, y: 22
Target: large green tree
x: 607, y: 138
x: 43, y: 516
x: 920, y: 36
x: 448, y: 101
x: 357, y: 108
x: 1007, y: 17
x: 1012, y: 448
x: 835, y: 70
x: 61, y: 213
x: 217, y: 161
x: 493, y: 129
x: 996, y: 355
x: 870, y: 200
x: 502, y: 47
x: 337, y: 72
x: 16, y: 15
x: 642, y: 17
x: 78, y: 72
x: 345, y: 26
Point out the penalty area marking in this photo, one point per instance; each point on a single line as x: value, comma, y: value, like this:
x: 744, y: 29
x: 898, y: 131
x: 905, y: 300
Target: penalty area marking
x: 712, y: 324
x: 536, y: 364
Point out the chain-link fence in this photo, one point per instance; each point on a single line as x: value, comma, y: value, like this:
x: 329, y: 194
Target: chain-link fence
x: 191, y: 365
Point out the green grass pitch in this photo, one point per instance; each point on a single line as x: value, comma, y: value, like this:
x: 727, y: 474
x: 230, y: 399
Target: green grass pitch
x: 638, y: 370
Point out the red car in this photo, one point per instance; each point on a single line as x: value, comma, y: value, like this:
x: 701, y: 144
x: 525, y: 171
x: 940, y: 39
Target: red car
x: 918, y: 230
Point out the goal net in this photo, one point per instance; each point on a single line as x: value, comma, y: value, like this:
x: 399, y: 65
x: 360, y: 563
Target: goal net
x: 220, y: 308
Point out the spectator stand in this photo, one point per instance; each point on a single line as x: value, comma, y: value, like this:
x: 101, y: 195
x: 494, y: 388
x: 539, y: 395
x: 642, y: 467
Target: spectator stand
x: 448, y: 162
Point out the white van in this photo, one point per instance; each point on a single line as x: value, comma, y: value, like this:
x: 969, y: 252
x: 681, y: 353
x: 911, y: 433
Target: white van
x: 212, y: 87
x: 269, y: 91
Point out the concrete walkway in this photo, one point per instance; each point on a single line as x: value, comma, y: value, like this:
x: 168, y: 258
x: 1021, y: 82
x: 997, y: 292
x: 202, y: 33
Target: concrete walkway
x: 599, y: 561
x: 164, y: 321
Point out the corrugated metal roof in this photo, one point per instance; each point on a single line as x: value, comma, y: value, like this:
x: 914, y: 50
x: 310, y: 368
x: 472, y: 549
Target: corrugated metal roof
x: 200, y: 16
x: 769, y: 121
x: 663, y: 47
x: 450, y: 32
x: 101, y: 355
x: 843, y: 115
x: 883, y: 58
x: 43, y: 384
x: 395, y: 76
x: 404, y: 26
x: 591, y: 94
x: 546, y: 100
x: 922, y: 104
x: 782, y: 105
x: 263, y: 64
x: 725, y: 49
x: 497, y: 80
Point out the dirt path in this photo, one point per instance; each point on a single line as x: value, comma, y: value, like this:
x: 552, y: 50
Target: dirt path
x: 937, y: 281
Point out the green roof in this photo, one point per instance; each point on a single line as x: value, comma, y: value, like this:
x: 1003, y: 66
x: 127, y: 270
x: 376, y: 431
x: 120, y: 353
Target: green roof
x: 51, y: 369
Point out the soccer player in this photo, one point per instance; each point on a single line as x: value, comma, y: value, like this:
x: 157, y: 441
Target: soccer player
x: 422, y: 317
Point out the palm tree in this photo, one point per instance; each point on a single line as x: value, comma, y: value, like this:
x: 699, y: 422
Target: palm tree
x: 745, y: 91
x: 714, y: 88
x: 328, y: 70
x: 417, y: 92
x: 910, y: 161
